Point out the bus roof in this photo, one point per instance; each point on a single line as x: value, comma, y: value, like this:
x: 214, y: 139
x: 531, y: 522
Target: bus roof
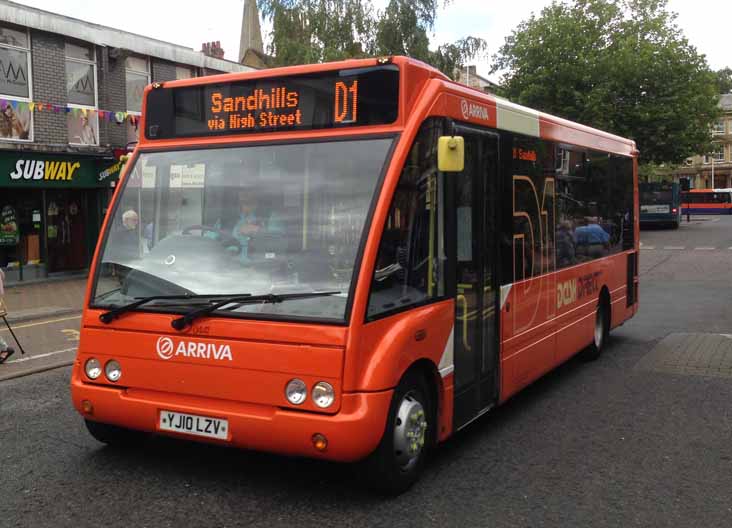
x: 415, y: 76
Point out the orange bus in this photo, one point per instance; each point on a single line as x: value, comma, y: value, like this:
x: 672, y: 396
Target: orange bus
x: 348, y: 261
x: 707, y: 201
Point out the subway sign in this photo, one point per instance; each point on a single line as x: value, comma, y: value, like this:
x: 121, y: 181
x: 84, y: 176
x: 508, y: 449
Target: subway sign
x: 60, y: 172
x: 28, y: 169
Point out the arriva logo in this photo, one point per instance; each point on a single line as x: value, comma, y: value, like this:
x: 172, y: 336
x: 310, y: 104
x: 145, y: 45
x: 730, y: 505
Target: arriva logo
x: 473, y: 110
x: 167, y: 348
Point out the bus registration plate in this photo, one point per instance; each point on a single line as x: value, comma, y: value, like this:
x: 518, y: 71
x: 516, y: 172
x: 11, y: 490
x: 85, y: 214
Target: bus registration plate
x: 655, y: 208
x: 194, y: 425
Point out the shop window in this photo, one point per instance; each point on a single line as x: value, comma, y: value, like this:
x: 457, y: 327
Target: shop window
x: 16, y: 118
x: 137, y: 76
x: 411, y: 259
x: 82, y: 119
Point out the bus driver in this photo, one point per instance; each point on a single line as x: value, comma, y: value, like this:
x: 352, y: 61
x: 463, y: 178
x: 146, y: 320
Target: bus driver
x: 254, y: 220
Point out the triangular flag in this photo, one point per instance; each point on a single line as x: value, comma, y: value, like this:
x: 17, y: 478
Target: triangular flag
x: 32, y: 106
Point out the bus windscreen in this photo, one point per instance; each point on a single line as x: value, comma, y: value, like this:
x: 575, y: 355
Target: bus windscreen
x: 333, y: 99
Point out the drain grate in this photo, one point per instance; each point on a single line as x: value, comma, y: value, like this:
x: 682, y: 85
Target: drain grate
x: 696, y: 354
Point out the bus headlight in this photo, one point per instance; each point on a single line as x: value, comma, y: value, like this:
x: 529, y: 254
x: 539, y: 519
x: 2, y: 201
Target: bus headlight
x: 323, y: 394
x: 296, y: 391
x: 93, y: 368
x: 113, y: 371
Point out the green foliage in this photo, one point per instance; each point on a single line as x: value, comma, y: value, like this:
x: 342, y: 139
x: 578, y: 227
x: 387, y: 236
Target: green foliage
x: 311, y: 31
x: 724, y: 81
x: 618, y: 65
x: 308, y: 31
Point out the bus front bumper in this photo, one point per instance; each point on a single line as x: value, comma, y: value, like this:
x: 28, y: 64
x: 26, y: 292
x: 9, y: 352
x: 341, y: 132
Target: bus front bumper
x: 352, y: 433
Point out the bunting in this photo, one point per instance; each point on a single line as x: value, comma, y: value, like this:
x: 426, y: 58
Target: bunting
x: 41, y: 106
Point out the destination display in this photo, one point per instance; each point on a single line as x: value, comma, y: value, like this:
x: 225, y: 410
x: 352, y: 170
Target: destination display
x: 342, y: 98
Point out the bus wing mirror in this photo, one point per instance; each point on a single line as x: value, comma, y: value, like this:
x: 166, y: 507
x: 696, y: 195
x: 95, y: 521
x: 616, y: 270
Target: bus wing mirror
x: 685, y: 184
x: 451, y: 154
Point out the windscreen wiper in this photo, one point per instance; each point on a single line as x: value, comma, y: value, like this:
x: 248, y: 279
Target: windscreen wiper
x: 182, y: 322
x: 111, y: 315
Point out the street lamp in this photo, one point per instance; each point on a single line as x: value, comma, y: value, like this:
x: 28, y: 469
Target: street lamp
x: 713, y: 170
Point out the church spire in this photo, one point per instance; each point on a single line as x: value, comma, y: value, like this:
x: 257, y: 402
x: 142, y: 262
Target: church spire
x: 251, y: 33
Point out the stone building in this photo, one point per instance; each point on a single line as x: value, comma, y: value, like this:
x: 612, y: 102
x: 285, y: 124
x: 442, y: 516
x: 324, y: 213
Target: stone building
x: 470, y: 77
x: 713, y: 170
x: 70, y: 100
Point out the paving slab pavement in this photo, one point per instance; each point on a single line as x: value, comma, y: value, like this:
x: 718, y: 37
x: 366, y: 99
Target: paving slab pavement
x: 29, y: 302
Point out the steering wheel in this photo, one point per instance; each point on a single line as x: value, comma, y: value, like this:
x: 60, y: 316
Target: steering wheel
x: 227, y: 239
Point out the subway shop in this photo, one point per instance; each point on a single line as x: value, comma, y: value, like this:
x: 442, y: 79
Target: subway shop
x: 51, y: 211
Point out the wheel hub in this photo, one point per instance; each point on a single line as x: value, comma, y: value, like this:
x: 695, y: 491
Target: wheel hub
x: 599, y: 329
x: 409, y: 431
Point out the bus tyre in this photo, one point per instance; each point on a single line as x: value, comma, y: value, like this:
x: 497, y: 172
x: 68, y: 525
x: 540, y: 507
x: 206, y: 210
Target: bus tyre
x: 397, y: 462
x: 113, y: 435
x: 600, y: 333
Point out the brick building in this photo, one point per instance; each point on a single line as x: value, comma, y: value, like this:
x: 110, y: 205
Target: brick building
x: 70, y: 98
x: 713, y: 170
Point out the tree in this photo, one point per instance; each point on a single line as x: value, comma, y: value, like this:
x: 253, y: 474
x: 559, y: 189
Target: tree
x: 310, y: 31
x: 618, y: 65
x: 724, y: 81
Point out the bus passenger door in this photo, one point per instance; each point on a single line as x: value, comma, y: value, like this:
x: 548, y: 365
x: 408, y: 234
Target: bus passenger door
x: 472, y: 215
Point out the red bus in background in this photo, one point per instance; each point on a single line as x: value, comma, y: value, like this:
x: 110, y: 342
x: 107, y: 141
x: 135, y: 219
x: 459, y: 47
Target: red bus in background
x: 349, y: 261
x: 707, y: 201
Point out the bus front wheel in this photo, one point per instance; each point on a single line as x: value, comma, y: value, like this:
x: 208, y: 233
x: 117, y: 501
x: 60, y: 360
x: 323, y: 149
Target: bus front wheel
x: 113, y: 435
x: 398, y: 461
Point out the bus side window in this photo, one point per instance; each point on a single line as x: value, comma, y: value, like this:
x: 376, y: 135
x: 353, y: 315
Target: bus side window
x: 410, y: 264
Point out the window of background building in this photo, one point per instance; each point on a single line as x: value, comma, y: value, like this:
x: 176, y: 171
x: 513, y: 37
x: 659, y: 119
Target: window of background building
x: 717, y: 155
x: 718, y: 129
x: 16, y: 123
x: 184, y: 72
x: 81, y: 89
x: 137, y: 76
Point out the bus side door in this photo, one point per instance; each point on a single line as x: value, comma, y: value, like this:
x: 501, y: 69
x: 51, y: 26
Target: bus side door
x: 472, y: 222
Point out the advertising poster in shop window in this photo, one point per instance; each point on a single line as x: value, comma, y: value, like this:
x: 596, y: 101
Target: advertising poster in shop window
x: 9, y: 233
x: 15, y: 122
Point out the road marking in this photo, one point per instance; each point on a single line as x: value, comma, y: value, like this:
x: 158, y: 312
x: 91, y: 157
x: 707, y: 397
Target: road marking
x: 71, y: 335
x: 676, y: 248
x: 704, y: 248
x: 42, y: 323
x: 647, y: 247
x: 39, y: 356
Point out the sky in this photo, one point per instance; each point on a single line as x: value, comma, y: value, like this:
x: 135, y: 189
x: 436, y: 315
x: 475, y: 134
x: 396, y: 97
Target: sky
x: 706, y: 23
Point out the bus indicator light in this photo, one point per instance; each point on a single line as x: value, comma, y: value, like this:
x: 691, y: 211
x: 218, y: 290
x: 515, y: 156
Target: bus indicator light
x: 320, y: 442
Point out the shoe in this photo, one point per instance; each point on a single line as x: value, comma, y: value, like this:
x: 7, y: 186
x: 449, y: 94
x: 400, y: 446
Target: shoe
x: 5, y: 354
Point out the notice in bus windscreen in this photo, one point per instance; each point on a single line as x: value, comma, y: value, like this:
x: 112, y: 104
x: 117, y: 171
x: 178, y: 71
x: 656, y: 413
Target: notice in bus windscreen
x: 336, y: 99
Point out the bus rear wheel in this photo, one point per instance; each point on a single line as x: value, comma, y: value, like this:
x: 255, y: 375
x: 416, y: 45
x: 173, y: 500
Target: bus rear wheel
x: 114, y: 435
x: 601, y: 331
x: 399, y: 459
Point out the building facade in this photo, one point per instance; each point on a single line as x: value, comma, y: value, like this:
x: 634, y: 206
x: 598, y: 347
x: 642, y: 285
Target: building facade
x: 70, y: 102
x: 713, y: 170
x: 469, y: 77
